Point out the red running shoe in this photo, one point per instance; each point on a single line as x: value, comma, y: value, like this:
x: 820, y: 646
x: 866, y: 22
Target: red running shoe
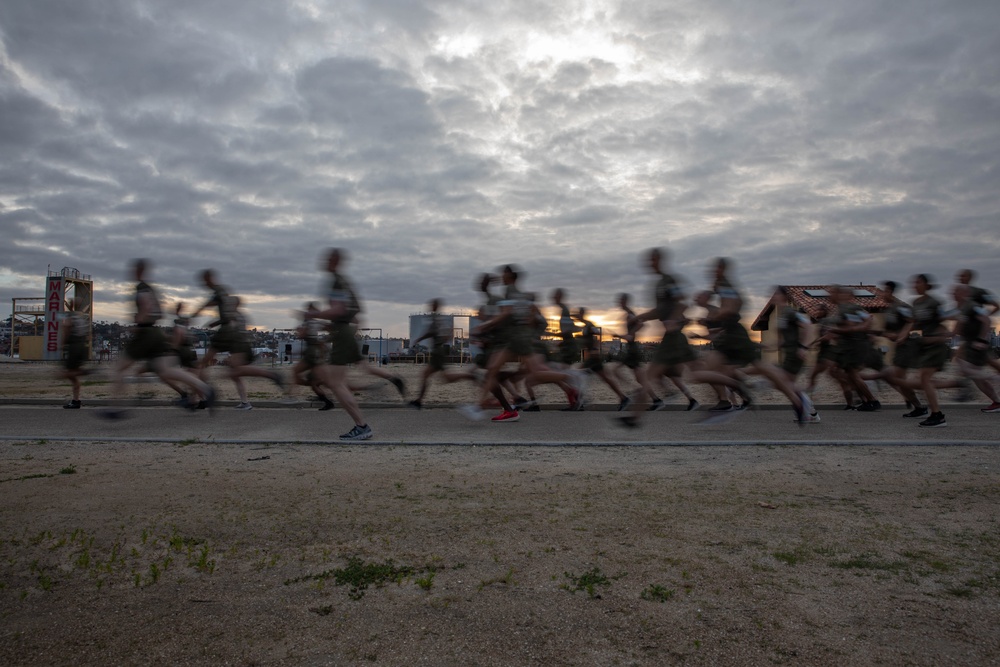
x: 506, y: 416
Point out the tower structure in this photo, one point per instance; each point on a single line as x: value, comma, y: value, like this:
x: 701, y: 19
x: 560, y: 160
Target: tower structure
x: 64, y: 290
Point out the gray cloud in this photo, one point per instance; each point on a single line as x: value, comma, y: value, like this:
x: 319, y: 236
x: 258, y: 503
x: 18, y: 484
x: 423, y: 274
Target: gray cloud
x: 814, y: 143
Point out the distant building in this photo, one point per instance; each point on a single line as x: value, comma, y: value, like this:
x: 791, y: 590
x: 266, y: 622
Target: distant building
x: 809, y: 299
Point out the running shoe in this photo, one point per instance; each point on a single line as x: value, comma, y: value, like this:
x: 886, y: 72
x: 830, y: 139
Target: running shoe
x: 327, y: 405
x: 800, y: 414
x: 472, y: 412
x: 534, y: 407
x: 993, y: 408
x: 527, y: 405
x: 75, y: 405
x: 628, y: 421
x: 358, y: 433
x: 245, y: 406
x: 693, y: 405
x: 916, y: 412
x: 209, y: 400
x: 625, y: 402
x: 721, y: 406
x: 869, y: 406
x: 506, y: 416
x: 416, y: 404
x: 936, y: 420
x: 657, y: 405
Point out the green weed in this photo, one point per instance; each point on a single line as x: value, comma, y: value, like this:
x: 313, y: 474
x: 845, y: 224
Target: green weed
x: 657, y: 593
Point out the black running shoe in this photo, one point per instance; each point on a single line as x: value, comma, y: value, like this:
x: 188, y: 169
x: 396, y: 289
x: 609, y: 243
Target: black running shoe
x: 867, y: 406
x: 936, y: 420
x: 628, y: 421
x: 657, y: 405
x: 416, y: 405
x: 72, y: 405
x: 917, y: 412
x: 721, y: 406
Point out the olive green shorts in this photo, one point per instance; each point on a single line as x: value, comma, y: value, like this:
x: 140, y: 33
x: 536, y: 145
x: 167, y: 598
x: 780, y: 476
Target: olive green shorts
x: 225, y: 339
x: 147, y: 343
x: 935, y: 355
x: 75, y: 355
x: 851, y: 354
x: 673, y: 350
x: 791, y: 362
x: 735, y: 344
x: 343, y: 347
x: 905, y: 354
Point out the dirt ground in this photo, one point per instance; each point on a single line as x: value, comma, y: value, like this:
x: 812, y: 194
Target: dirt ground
x: 221, y: 554
x: 201, y: 553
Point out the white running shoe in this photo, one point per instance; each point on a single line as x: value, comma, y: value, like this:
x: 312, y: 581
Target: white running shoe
x: 358, y: 433
x: 244, y: 407
x: 472, y: 412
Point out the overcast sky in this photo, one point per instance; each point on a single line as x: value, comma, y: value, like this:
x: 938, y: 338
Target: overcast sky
x: 850, y: 141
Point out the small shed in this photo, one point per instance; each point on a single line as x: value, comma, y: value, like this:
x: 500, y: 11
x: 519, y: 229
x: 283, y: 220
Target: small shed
x: 809, y: 299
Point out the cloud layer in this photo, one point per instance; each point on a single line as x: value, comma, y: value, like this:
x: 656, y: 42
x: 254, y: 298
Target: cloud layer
x: 846, y: 142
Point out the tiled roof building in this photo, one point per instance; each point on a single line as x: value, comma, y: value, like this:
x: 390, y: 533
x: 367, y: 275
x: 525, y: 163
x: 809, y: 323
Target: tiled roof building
x: 809, y: 299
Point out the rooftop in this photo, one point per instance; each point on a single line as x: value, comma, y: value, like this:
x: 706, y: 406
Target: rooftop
x: 810, y: 298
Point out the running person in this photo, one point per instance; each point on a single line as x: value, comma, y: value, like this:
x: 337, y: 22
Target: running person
x: 905, y: 351
x: 592, y: 357
x: 851, y: 334
x: 75, y: 332
x: 342, y: 311
x: 515, y: 327
x: 928, y: 318
x: 225, y: 337
x: 241, y: 356
x: 314, y: 354
x: 734, y: 349
x: 674, y: 352
x: 150, y: 345
x: 569, y: 351
x: 439, y: 337
x: 974, y: 326
x: 793, y: 329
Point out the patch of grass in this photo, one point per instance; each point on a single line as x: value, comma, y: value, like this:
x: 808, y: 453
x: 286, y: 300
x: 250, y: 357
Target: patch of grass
x: 789, y: 557
x: 959, y: 591
x: 24, y: 477
x: 426, y: 582
x: 869, y: 561
x: 588, y: 581
x: 359, y: 575
x: 68, y: 470
x: 506, y: 580
x: 656, y: 593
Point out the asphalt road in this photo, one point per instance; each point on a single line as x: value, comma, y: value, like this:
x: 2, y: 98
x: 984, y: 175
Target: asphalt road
x: 401, y: 426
